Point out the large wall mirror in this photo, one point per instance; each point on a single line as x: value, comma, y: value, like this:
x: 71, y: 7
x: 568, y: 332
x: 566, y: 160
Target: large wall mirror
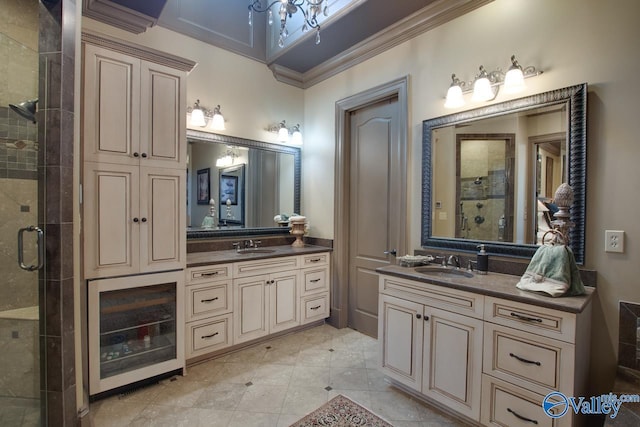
x: 258, y: 179
x: 489, y: 175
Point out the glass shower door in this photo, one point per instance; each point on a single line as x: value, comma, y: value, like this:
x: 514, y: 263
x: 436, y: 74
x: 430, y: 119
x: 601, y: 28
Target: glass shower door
x: 19, y: 317
x: 19, y: 312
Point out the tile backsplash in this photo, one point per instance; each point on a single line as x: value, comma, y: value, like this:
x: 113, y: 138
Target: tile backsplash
x: 629, y: 335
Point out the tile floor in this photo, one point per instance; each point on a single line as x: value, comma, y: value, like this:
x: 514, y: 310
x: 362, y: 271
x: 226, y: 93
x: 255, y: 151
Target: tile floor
x: 272, y: 384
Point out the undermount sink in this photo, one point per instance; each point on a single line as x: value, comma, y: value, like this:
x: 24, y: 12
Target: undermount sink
x: 433, y: 270
x: 256, y: 251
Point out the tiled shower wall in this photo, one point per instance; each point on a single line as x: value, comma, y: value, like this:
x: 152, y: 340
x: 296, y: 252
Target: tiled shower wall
x: 57, y: 55
x: 18, y: 83
x: 18, y: 145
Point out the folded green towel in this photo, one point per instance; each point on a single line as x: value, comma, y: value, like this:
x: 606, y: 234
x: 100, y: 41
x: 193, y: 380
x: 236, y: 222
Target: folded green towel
x: 552, y: 270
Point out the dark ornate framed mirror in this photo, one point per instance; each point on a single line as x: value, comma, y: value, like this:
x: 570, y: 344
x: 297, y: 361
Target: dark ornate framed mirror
x: 489, y: 174
x: 268, y: 185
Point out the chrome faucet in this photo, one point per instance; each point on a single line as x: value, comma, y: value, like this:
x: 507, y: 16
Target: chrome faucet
x: 454, y: 261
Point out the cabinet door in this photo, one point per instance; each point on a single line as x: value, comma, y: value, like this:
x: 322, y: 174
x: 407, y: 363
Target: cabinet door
x: 163, y: 120
x: 452, y: 355
x: 283, y: 301
x: 400, y: 329
x: 111, y: 220
x: 250, y: 317
x: 111, y: 107
x: 162, y: 222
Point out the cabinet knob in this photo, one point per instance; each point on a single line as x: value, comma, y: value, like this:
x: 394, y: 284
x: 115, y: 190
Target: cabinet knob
x: 144, y: 155
x: 426, y: 318
x: 144, y: 220
x: 136, y: 154
x: 135, y: 220
x: 418, y: 316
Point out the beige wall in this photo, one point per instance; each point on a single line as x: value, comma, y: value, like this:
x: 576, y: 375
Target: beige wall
x: 573, y: 41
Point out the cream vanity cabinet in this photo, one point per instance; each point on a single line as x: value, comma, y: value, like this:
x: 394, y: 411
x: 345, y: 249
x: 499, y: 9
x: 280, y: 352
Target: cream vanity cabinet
x: 314, y: 280
x: 490, y: 359
x: 236, y: 302
x: 266, y: 297
x: 134, y: 157
x: 529, y: 352
x: 431, y: 340
x: 209, y: 304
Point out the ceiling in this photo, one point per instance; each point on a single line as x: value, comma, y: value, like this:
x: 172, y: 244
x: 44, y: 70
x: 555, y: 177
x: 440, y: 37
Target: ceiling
x: 354, y: 31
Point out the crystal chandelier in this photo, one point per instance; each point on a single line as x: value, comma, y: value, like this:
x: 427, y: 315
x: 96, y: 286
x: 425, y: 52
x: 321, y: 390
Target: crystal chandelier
x: 309, y: 8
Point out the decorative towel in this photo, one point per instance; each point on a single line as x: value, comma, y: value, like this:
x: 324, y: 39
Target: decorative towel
x: 552, y: 270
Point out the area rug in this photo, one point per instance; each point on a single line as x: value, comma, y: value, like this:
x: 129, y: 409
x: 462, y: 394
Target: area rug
x: 341, y: 412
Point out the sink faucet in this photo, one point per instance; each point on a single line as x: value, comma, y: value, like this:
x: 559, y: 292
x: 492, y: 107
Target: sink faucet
x: 454, y: 261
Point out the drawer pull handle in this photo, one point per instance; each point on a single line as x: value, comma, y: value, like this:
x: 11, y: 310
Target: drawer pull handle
x: 521, y: 417
x: 206, y: 337
x: 524, y: 360
x: 315, y: 260
x: 526, y: 318
x: 316, y: 307
x: 207, y: 301
x: 213, y: 273
x: 314, y: 280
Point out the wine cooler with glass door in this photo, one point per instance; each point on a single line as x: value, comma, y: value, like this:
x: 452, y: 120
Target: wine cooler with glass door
x: 134, y: 329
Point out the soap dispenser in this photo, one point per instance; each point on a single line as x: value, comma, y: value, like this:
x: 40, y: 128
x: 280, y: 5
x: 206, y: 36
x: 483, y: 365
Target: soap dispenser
x: 483, y: 260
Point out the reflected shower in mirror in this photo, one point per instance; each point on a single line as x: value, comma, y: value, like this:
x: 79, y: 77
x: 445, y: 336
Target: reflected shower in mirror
x: 260, y: 180
x: 489, y: 175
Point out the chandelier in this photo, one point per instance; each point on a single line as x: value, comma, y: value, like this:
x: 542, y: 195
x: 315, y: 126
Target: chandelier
x: 309, y: 8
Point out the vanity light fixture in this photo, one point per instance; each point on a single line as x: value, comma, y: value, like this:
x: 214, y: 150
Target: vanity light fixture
x: 454, y: 94
x: 486, y: 84
x: 217, y: 121
x: 309, y: 8
x: 296, y: 135
x: 199, y: 116
x: 287, y: 135
x: 228, y: 159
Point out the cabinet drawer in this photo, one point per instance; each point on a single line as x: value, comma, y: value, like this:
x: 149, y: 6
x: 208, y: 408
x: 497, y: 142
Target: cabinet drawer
x: 208, y: 273
x: 545, y: 364
x: 315, y: 307
x: 208, y: 335
x: 461, y: 302
x: 264, y: 266
x: 504, y: 404
x: 526, y: 317
x: 315, y: 259
x: 208, y: 299
x: 315, y: 280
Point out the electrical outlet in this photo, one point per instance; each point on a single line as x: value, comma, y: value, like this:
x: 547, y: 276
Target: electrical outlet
x: 614, y: 241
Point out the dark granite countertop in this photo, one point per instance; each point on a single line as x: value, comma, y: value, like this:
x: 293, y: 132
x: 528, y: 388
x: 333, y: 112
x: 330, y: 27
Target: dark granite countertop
x: 496, y: 285
x: 198, y: 259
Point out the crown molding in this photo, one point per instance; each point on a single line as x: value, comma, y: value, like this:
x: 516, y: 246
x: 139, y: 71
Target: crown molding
x: 437, y: 13
x: 139, y: 51
x: 118, y: 16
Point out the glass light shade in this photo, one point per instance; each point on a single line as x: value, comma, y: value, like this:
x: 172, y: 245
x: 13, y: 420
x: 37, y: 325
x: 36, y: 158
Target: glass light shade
x: 296, y: 138
x: 283, y: 134
x: 514, y: 80
x: 454, y: 97
x: 217, y: 122
x: 197, y: 118
x: 482, y: 90
x: 224, y: 161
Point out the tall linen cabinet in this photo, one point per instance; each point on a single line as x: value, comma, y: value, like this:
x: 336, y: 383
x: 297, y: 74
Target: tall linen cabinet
x: 134, y: 207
